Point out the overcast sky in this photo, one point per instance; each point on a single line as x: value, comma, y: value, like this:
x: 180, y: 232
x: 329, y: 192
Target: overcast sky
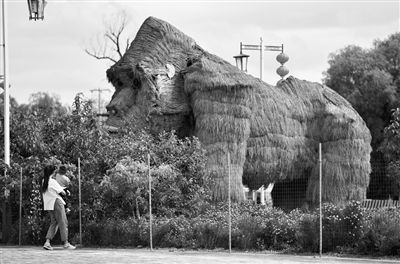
x: 48, y: 56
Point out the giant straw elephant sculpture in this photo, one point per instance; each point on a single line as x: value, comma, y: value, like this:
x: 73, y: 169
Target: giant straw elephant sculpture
x: 166, y: 81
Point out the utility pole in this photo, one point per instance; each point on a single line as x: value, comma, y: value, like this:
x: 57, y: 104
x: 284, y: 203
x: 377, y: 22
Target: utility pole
x: 99, y: 91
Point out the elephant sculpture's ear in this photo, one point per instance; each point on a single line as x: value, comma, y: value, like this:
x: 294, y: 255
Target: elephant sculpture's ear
x: 209, y: 72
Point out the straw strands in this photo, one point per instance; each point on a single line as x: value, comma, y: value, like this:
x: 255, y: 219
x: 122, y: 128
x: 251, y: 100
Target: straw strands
x: 271, y: 132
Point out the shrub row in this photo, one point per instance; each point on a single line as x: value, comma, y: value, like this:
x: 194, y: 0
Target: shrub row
x: 346, y: 229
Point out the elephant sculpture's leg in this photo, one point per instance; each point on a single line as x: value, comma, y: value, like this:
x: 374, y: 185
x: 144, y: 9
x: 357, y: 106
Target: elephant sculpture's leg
x: 344, y: 164
x: 218, y: 168
x: 222, y: 125
x: 345, y: 157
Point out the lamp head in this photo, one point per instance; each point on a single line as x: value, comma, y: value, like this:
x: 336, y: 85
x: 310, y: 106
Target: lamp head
x: 36, y: 9
x: 241, y: 61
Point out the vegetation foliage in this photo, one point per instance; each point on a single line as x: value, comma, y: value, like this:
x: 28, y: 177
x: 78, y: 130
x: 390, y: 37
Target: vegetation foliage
x: 114, y: 170
x: 370, y: 80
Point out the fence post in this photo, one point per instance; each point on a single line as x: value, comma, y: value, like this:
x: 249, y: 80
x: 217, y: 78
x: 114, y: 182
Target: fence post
x: 320, y: 198
x: 20, y: 209
x: 254, y: 196
x: 80, y: 201
x: 150, y: 214
x: 262, y: 195
x: 229, y: 203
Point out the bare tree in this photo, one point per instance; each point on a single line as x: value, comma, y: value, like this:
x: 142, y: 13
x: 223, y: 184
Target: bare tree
x: 111, y: 44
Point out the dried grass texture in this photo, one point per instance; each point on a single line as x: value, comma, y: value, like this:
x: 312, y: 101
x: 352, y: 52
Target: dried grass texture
x: 271, y: 132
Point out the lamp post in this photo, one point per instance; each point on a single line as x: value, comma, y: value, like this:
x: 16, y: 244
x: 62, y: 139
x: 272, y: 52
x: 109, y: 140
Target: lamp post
x: 6, y: 86
x: 281, y: 58
x: 36, y: 11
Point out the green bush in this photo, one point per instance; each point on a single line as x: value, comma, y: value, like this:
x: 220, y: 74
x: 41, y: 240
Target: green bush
x: 249, y: 232
x: 341, y: 225
x: 210, y: 234
x: 173, y: 232
x: 129, y: 232
x: 210, y: 228
x: 258, y: 228
x: 113, y: 169
x: 307, y: 234
x: 381, y: 232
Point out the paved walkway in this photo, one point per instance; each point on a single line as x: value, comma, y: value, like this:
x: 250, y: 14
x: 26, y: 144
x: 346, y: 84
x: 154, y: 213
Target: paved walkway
x: 33, y: 255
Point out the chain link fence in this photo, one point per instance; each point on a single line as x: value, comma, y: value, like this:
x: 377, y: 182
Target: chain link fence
x: 277, y: 216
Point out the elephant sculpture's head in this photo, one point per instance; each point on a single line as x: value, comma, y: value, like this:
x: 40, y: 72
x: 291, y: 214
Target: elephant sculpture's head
x: 148, y: 80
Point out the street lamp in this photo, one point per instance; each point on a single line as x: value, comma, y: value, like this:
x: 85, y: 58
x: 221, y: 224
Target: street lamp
x: 241, y: 60
x: 36, y: 9
x: 282, y: 70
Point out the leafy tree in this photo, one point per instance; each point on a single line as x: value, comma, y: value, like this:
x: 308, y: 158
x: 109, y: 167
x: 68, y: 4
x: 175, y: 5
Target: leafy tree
x: 178, y: 184
x: 389, y: 52
x: 359, y: 76
x: 369, y: 80
x: 37, y: 137
x: 46, y: 105
x: 391, y: 148
x: 27, y: 121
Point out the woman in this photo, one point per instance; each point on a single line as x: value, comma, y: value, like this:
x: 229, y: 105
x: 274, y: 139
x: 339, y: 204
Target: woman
x: 53, y: 203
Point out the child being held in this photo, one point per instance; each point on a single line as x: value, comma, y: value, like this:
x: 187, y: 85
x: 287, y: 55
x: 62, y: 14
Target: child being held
x: 64, y: 182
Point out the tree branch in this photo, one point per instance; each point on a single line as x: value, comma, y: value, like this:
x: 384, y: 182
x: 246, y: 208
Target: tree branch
x: 113, y: 36
x: 100, y: 57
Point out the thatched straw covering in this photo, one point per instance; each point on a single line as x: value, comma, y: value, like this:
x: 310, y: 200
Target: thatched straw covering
x: 271, y: 132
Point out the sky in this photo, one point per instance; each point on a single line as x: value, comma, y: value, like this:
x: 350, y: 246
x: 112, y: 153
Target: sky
x: 48, y: 56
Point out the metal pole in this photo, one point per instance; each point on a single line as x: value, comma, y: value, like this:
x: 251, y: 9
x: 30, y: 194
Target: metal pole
x: 99, y: 98
x: 229, y: 203
x: 80, y: 201
x: 20, y: 209
x: 151, y: 219
x: 320, y: 198
x: 6, y: 90
x: 261, y: 58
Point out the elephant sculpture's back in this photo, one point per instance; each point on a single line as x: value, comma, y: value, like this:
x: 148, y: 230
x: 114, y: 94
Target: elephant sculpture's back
x: 288, y: 122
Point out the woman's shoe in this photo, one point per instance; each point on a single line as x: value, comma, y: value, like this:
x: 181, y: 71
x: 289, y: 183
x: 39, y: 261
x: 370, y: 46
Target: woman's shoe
x: 69, y: 246
x: 47, y: 246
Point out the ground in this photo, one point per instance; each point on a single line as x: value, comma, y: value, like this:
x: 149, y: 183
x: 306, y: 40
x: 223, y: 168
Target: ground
x: 31, y: 255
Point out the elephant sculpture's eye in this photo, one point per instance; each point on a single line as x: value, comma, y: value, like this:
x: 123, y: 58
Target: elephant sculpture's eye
x: 136, y: 83
x: 119, y: 83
